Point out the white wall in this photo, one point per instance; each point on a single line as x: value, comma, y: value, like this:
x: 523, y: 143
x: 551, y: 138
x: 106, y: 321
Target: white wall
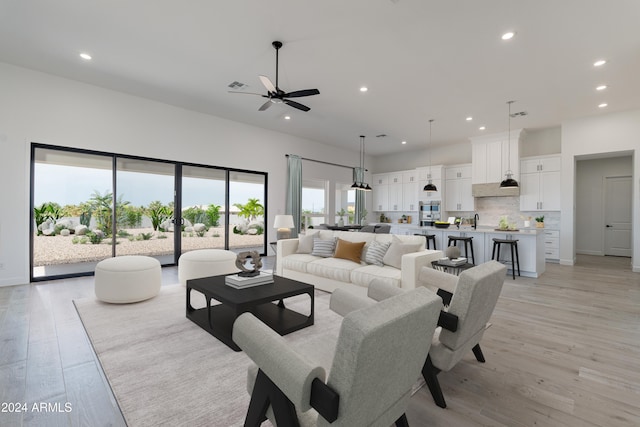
x: 599, y: 135
x: 590, y: 208
x: 37, y: 107
x: 538, y: 142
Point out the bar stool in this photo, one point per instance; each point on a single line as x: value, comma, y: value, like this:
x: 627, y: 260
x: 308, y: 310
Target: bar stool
x: 465, y: 240
x: 513, y: 244
x: 429, y: 237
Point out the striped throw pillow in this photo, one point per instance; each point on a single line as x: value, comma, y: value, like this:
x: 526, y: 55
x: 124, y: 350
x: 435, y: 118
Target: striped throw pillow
x: 375, y: 252
x: 323, y: 248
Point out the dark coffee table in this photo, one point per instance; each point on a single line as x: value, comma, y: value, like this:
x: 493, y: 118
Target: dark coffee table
x: 218, y: 319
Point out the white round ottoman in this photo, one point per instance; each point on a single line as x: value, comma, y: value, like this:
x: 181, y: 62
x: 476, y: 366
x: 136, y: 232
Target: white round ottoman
x: 126, y: 279
x: 205, y: 263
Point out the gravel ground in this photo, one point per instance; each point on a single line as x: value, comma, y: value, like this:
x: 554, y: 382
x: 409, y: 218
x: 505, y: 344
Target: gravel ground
x: 54, y: 250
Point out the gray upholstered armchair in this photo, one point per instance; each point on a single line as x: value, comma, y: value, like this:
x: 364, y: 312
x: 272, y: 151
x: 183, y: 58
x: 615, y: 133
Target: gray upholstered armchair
x: 471, y: 299
x: 378, y: 356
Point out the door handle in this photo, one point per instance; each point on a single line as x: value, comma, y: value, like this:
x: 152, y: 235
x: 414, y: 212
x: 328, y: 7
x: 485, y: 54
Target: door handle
x: 609, y: 226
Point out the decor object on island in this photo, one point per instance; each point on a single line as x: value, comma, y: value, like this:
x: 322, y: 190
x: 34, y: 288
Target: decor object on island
x: 540, y: 221
x: 362, y: 186
x: 242, y: 282
x: 509, y: 182
x: 255, y: 261
x: 277, y: 95
x: 284, y: 224
x: 441, y: 224
x: 430, y: 187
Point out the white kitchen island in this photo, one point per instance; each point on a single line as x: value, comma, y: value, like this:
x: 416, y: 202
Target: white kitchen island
x: 531, y: 245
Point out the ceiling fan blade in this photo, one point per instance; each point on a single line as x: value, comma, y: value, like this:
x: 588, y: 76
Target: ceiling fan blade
x: 296, y: 105
x: 299, y: 93
x: 265, y: 105
x: 267, y: 83
x: 248, y: 93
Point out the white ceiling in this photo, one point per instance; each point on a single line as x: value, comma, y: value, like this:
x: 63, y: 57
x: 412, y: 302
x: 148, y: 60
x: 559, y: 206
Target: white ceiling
x: 420, y: 59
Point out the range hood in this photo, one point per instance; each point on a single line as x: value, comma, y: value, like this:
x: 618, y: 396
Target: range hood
x: 492, y: 189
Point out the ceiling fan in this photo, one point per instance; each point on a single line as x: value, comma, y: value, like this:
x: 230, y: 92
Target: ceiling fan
x: 278, y: 96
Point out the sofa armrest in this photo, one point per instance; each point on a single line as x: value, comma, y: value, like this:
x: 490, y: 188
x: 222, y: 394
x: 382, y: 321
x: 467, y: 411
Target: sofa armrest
x: 412, y: 263
x: 434, y: 280
x: 344, y: 302
x: 288, y: 369
x: 285, y: 247
x: 378, y: 290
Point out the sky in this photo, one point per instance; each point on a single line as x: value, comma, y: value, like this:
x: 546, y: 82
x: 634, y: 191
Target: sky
x: 71, y: 185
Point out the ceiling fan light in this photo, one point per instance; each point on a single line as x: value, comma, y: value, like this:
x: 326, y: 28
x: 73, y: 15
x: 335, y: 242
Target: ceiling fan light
x: 355, y: 186
x: 367, y: 188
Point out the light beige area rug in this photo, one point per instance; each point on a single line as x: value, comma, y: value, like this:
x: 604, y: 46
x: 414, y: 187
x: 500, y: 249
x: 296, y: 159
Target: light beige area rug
x: 165, y: 370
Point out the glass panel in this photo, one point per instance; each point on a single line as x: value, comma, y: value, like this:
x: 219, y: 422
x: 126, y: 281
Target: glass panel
x: 345, y: 203
x: 144, y: 209
x: 246, y: 213
x: 203, y: 196
x: 314, y: 212
x: 71, y: 193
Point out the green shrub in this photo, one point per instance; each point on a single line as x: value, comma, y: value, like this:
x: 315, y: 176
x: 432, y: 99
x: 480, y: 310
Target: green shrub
x: 75, y: 240
x: 161, y: 236
x: 144, y: 236
x: 123, y: 233
x: 94, y: 238
x: 213, y: 216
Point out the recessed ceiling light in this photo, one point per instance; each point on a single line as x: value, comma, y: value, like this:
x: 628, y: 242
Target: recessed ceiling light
x: 508, y: 36
x: 604, y: 104
x: 287, y: 117
x: 469, y: 118
x: 85, y: 56
x: 601, y: 87
x: 364, y: 89
x: 404, y: 142
x: 599, y: 63
x: 482, y: 128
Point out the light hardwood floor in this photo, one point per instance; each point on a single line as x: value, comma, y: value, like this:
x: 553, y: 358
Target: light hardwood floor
x: 564, y: 350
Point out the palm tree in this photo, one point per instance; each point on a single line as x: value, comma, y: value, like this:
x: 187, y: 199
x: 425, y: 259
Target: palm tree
x: 251, y: 210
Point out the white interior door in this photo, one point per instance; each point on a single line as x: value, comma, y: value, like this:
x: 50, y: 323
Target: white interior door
x: 617, y: 234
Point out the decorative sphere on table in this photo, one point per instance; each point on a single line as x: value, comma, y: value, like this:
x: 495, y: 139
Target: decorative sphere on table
x: 453, y: 252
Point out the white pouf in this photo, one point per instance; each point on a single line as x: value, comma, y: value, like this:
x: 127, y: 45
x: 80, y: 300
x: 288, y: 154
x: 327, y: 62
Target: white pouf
x: 205, y: 263
x: 126, y: 279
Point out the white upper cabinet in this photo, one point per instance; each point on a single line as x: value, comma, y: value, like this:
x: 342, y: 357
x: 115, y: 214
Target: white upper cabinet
x: 492, y: 155
x: 458, y: 195
x: 380, y: 179
x: 540, y: 184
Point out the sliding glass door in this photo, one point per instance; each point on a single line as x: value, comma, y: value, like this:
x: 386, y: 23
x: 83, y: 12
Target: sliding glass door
x: 246, y: 211
x: 144, y: 223
x: 71, y: 210
x: 203, y: 199
x: 88, y: 206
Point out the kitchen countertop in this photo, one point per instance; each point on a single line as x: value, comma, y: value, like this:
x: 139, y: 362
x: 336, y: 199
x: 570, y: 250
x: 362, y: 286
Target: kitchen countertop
x: 468, y: 229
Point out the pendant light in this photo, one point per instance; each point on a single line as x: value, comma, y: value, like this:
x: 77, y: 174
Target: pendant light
x: 430, y: 187
x: 362, y: 186
x: 509, y: 182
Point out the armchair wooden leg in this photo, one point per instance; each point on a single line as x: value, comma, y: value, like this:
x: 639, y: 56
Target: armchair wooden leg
x: 266, y: 393
x: 402, y: 421
x: 477, y: 351
x: 430, y: 372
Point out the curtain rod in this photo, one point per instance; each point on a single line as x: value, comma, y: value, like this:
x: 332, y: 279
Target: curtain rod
x: 326, y: 163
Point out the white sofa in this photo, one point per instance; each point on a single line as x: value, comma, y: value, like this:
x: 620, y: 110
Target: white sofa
x: 331, y: 273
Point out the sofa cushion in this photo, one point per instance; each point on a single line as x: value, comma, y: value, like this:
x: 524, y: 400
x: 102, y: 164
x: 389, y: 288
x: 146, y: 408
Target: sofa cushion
x: 305, y: 244
x: 332, y: 268
x: 363, y: 276
x: 297, y: 262
x: 394, y: 254
x: 323, y: 248
x: 349, y: 250
x: 375, y: 253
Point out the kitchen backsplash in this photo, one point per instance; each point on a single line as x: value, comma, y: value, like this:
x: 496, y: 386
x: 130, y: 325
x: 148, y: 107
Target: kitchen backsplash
x: 491, y: 209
